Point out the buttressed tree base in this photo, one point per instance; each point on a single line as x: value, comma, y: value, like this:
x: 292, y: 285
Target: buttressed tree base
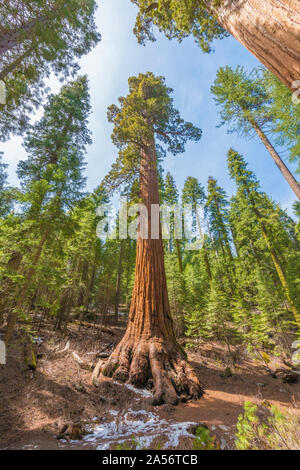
x: 149, y: 353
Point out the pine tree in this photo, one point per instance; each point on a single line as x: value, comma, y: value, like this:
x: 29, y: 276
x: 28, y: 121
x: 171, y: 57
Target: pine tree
x: 243, y: 102
x: 174, y: 261
x: 38, y: 38
x: 171, y: 197
x: 218, y: 320
x: 149, y: 349
x: 257, y: 26
x: 52, y: 175
x: 5, y: 200
x: 259, y: 307
x: 193, y: 194
x: 285, y: 115
x: 217, y: 209
x: 261, y: 208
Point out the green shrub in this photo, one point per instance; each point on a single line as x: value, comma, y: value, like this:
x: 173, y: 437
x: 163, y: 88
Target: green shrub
x: 275, y: 431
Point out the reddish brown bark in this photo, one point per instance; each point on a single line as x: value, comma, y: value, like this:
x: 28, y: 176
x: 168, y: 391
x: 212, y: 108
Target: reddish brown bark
x: 269, y: 29
x: 149, y: 350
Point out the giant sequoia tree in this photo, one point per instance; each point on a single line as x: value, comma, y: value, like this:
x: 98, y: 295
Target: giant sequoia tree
x: 267, y: 28
x: 149, y: 351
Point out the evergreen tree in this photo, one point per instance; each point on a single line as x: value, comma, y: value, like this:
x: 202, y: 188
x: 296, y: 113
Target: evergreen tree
x: 284, y: 113
x: 243, y: 102
x: 251, y: 24
x: 259, y: 305
x: 174, y: 270
x: 149, y: 349
x: 52, y: 175
x: 4, y: 194
x: 218, y: 215
x: 170, y: 197
x: 218, y: 320
x: 36, y: 38
x: 262, y: 210
x: 193, y: 194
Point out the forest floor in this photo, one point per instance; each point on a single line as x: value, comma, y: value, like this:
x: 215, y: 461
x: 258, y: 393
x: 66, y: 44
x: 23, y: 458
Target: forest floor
x: 36, y: 405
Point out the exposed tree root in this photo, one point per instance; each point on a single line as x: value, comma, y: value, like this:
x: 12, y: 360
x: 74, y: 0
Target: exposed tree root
x: 154, y: 362
x: 81, y: 363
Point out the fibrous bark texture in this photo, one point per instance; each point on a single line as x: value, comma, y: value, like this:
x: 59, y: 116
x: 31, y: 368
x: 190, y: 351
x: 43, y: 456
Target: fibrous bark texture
x: 149, y: 352
x: 270, y: 29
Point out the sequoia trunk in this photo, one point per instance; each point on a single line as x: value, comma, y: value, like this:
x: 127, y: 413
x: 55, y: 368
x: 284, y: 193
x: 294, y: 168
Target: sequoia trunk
x: 149, y: 351
x: 269, y: 29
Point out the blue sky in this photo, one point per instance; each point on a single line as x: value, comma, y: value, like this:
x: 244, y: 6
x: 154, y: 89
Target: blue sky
x: 190, y: 73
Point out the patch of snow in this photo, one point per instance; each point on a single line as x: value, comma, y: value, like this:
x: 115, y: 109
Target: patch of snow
x: 38, y: 340
x: 139, y: 391
x: 178, y: 430
x: 225, y: 428
x: 223, y: 444
x: 143, y: 426
x: 30, y: 446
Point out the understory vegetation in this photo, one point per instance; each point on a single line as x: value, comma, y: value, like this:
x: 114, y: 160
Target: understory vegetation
x: 234, y: 281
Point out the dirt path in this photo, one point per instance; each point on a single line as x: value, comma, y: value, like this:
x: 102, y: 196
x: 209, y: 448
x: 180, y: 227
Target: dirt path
x: 34, y: 406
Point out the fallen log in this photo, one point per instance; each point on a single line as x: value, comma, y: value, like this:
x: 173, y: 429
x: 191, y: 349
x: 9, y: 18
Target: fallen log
x: 65, y: 349
x: 96, y: 373
x: 81, y: 363
x: 98, y: 327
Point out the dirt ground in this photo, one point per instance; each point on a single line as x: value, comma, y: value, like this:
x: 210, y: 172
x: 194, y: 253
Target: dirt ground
x: 36, y: 405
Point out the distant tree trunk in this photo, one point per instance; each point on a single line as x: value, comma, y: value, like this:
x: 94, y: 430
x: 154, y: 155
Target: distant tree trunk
x: 149, y: 350
x: 225, y: 236
x: 291, y: 180
x: 269, y: 29
x: 24, y: 290
x: 206, y: 262
x: 179, y: 255
x: 88, y: 293
x: 204, y: 248
x: 118, y: 285
x: 7, y: 286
